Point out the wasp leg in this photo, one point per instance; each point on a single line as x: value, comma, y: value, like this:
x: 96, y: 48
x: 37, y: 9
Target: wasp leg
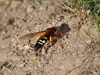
x: 38, y: 53
x: 57, y: 41
x: 59, y: 33
x: 50, y: 40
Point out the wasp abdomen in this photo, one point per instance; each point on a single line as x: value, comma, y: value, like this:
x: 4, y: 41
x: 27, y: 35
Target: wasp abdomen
x: 40, y: 43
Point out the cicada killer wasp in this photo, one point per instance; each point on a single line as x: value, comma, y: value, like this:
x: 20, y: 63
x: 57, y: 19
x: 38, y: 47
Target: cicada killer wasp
x: 49, y: 34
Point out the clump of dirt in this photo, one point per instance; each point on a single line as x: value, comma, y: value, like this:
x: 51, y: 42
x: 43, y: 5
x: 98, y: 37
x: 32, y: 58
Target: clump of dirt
x: 26, y: 16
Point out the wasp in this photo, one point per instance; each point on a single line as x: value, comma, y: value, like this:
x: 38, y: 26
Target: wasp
x: 49, y: 34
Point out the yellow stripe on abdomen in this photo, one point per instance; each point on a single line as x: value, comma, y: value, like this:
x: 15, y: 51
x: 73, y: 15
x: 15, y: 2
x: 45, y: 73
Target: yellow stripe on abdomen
x: 42, y: 41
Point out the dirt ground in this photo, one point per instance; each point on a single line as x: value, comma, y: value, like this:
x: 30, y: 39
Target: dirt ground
x: 26, y: 16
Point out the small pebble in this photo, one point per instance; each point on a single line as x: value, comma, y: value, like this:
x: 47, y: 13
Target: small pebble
x: 22, y: 65
x: 26, y: 47
x: 29, y: 10
x: 88, y: 42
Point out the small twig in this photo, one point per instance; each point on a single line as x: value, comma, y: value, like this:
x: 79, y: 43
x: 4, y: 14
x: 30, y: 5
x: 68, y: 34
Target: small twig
x: 72, y: 10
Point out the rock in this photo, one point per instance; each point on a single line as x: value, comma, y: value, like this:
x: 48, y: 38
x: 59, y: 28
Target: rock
x: 26, y: 47
x: 29, y: 10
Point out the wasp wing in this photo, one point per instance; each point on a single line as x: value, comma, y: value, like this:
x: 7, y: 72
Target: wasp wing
x: 31, y: 35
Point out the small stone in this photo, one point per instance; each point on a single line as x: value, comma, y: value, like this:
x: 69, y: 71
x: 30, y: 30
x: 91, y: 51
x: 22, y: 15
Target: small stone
x: 29, y: 10
x: 22, y: 65
x: 88, y: 42
x: 88, y: 12
x: 26, y: 47
x: 41, y: 8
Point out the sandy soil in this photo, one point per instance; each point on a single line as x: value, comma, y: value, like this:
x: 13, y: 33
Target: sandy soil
x: 25, y: 16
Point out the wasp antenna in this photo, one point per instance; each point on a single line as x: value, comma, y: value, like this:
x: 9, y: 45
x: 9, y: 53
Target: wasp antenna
x: 51, y: 24
x: 59, y: 20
